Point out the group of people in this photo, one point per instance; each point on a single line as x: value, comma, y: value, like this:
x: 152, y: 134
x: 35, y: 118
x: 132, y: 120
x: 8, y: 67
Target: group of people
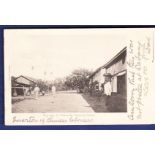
x: 37, y: 90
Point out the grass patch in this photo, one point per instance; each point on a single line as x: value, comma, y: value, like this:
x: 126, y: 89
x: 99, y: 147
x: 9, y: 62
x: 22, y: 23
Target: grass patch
x: 116, y: 103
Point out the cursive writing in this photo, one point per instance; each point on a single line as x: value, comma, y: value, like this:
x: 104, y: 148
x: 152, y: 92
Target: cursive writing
x: 138, y: 80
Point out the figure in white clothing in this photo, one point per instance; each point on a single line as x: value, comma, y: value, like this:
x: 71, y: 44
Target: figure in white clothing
x: 36, y: 92
x: 107, y: 84
x: 107, y: 88
x: 53, y: 90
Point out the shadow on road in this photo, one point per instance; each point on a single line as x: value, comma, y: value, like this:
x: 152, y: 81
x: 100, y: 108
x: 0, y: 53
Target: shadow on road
x: 96, y: 103
x: 117, y: 103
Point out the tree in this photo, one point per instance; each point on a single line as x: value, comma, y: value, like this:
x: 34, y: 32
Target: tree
x: 78, y: 79
x: 59, y: 84
x: 43, y: 85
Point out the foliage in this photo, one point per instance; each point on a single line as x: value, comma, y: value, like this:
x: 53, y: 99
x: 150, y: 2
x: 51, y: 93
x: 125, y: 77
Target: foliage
x: 59, y: 83
x: 43, y: 85
x: 78, y: 79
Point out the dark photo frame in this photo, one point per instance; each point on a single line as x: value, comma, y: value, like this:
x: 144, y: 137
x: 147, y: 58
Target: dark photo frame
x: 59, y: 127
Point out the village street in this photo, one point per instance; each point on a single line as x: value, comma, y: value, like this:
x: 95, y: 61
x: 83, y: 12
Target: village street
x: 69, y: 101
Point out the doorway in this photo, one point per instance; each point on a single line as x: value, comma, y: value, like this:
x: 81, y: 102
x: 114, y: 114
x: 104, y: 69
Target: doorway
x: 121, y: 84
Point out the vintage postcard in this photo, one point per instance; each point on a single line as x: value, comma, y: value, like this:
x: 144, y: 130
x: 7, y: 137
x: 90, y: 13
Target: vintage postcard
x: 79, y: 76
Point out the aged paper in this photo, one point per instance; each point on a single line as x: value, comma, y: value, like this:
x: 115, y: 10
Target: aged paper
x: 79, y: 76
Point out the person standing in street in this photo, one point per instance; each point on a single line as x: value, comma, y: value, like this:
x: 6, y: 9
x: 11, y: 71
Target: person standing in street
x: 108, y: 88
x: 53, y: 90
x: 36, y: 91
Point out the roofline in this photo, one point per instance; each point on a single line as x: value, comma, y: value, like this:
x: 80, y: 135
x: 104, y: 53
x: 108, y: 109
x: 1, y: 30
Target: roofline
x: 117, y: 55
x: 95, y: 72
x: 25, y: 78
x: 105, y: 65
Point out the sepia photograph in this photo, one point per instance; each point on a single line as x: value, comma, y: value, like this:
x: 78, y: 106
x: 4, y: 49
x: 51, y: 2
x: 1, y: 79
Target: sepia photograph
x: 78, y: 76
x: 59, y: 72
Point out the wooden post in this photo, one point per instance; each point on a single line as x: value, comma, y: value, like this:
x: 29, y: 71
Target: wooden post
x: 24, y: 91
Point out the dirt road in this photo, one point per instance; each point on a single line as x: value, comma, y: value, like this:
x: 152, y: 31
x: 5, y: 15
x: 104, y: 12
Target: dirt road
x: 60, y: 102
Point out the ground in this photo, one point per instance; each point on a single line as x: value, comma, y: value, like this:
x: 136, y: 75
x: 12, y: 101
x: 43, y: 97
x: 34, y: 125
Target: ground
x: 69, y: 101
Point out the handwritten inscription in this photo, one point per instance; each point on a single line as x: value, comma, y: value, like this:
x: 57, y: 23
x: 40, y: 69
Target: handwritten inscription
x: 139, y: 54
x: 53, y: 119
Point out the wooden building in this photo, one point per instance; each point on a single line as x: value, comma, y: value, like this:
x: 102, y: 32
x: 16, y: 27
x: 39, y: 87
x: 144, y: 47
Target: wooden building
x: 98, y: 78
x: 22, y: 85
x: 117, y: 70
x: 114, y: 71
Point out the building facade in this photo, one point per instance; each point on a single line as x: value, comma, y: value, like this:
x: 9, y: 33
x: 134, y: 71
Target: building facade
x: 98, y: 77
x: 22, y: 85
x: 116, y: 70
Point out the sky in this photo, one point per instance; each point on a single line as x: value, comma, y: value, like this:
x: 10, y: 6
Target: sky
x: 54, y: 53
